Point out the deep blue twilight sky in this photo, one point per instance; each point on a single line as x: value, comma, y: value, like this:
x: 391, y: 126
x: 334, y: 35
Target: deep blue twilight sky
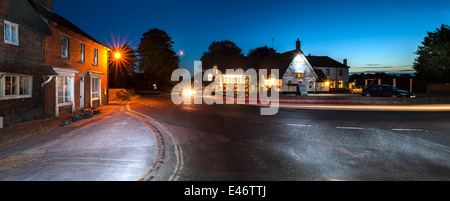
x: 374, y: 36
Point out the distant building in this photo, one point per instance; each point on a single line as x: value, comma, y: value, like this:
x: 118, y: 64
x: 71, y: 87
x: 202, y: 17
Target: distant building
x: 314, y: 73
x: 403, y: 82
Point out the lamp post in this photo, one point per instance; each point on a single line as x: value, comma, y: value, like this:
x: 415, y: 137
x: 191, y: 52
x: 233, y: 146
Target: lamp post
x: 117, y: 57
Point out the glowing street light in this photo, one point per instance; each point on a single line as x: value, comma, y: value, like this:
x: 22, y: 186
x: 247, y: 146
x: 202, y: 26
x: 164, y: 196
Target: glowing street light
x: 181, y: 53
x: 117, y: 55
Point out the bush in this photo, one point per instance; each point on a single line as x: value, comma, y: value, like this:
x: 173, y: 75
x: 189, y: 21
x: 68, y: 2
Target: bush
x: 124, y: 95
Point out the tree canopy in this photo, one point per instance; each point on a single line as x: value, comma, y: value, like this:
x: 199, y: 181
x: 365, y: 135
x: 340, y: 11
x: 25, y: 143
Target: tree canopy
x: 225, y: 47
x: 156, y: 58
x: 433, y: 56
x: 261, y: 52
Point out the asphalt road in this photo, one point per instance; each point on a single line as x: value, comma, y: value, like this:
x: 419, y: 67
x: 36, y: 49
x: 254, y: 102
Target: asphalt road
x: 156, y: 140
x: 234, y: 142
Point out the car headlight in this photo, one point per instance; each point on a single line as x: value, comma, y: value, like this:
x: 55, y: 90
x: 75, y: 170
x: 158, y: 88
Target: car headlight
x: 188, y: 92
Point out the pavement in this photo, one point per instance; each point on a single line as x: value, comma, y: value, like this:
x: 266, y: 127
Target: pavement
x: 115, y: 145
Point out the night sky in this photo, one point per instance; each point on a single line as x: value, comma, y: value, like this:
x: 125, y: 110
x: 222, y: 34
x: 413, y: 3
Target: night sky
x: 373, y: 35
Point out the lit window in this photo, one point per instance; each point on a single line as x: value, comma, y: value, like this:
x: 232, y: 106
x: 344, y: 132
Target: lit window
x: 95, y: 56
x: 210, y: 77
x: 333, y: 84
x: 341, y: 84
x: 95, y: 88
x: 65, y: 89
x: 10, y: 85
x: 299, y: 75
x: 15, y: 86
x: 11, y: 33
x: 64, y: 47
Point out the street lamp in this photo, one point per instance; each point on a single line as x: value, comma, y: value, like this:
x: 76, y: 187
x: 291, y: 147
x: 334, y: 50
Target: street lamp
x: 117, y: 55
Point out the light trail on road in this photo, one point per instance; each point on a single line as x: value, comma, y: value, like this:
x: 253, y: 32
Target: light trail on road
x: 422, y: 108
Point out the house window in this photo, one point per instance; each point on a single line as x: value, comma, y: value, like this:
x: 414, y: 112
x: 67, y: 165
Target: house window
x: 341, y: 72
x: 10, y: 85
x: 24, y: 85
x: 341, y: 84
x: 96, y: 88
x: 299, y: 75
x: 95, y: 56
x: 65, y: 89
x: 83, y: 57
x: 15, y: 86
x: 210, y: 77
x: 1, y: 86
x: 11, y: 33
x: 332, y: 85
x: 64, y: 47
x: 327, y: 72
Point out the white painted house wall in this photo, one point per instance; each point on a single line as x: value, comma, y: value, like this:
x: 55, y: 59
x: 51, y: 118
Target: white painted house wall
x: 299, y: 65
x: 334, y: 77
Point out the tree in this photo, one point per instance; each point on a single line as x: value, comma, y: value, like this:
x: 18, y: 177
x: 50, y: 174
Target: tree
x: 433, y: 61
x: 122, y: 67
x: 156, y: 58
x: 225, y: 47
x: 261, y: 52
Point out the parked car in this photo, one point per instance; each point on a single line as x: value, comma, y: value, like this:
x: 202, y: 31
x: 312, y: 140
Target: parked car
x: 386, y: 91
x: 356, y: 90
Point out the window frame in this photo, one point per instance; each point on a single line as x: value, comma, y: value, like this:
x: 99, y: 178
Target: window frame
x: 18, y: 86
x: 96, y: 88
x: 64, y: 72
x: 62, y: 47
x: 83, y: 53
x: 299, y: 75
x: 96, y: 75
x: 11, y: 34
x: 95, y: 57
x: 70, y: 88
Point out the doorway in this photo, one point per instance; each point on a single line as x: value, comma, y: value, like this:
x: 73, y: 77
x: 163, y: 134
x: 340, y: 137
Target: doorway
x: 82, y: 93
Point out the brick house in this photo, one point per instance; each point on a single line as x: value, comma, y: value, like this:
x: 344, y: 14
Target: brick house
x: 22, y: 66
x: 80, y: 62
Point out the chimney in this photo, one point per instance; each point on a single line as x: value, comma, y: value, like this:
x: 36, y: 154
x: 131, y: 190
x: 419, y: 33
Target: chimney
x: 297, y: 45
x: 345, y: 61
x: 46, y: 3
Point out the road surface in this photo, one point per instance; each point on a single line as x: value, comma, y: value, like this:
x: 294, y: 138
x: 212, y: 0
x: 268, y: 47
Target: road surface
x: 234, y: 142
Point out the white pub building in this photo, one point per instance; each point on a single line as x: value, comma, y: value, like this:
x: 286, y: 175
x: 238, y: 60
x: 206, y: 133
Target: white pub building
x: 299, y: 74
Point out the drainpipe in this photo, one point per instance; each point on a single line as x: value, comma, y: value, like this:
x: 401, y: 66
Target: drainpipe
x: 47, y: 81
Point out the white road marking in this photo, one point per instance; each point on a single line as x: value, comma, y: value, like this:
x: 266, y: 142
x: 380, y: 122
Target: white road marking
x: 409, y: 129
x: 351, y: 128
x: 256, y: 121
x: 299, y: 125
